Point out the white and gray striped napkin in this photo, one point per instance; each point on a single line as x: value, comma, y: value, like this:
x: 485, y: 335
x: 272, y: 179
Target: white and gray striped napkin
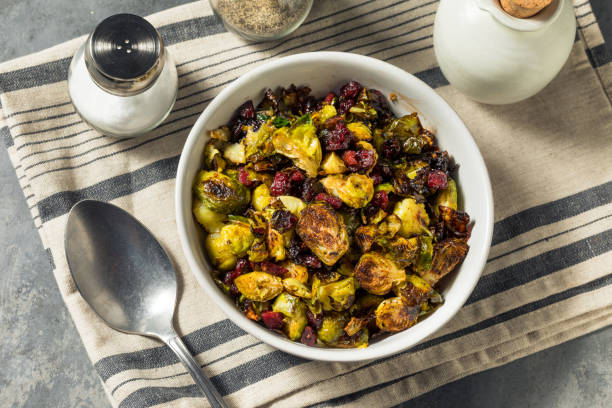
x: 548, y: 278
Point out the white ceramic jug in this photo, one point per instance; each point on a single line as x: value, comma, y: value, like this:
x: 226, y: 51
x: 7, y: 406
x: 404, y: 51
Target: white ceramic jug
x: 495, y: 58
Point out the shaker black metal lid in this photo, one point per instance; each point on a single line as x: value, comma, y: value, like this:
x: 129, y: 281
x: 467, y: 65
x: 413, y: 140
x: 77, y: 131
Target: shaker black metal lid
x: 124, y: 54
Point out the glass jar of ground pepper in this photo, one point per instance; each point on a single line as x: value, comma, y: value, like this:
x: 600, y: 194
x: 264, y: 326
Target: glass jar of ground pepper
x: 262, y: 20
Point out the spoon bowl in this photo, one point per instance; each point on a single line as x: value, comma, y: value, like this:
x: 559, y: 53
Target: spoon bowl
x: 127, y: 278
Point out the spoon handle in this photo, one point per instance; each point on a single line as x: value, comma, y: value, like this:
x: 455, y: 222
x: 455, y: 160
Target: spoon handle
x: 207, y: 387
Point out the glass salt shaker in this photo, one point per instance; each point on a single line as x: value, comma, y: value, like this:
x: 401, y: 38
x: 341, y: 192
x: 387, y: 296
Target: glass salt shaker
x: 122, y: 81
x: 262, y: 20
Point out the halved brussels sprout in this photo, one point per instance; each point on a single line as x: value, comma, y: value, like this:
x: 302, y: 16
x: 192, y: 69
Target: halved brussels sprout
x: 337, y: 296
x: 261, y: 197
x: 410, y: 133
x: 258, y: 144
x: 446, y: 197
x: 301, y: 144
x: 360, y: 131
x: 333, y: 164
x: 447, y: 255
x: 259, y: 286
x: 235, y: 153
x: 378, y: 274
x: 413, y: 216
x: 415, y: 291
x: 365, y: 237
x: 229, y: 243
x: 276, y: 244
x: 404, y: 251
x: 388, y: 227
x: 355, y: 190
x: 221, y: 193
x: 293, y: 204
x: 367, y: 217
x: 393, y: 315
x: 332, y: 327
x: 323, y: 231
x: 296, y: 288
x: 356, y: 324
x: 258, y: 251
x: 295, y: 271
x: 210, y: 220
x: 295, y: 314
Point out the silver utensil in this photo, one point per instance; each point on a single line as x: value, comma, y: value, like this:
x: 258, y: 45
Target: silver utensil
x: 127, y: 278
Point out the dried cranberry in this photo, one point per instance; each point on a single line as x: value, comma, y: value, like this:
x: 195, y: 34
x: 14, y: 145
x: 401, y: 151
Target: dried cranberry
x: 308, y: 260
x: 345, y: 105
x: 360, y: 160
x: 332, y: 122
x: 272, y: 320
x: 370, y: 211
x: 309, y: 336
x: 258, y: 230
x: 379, y: 103
x: 282, y: 220
x: 272, y: 268
x: 314, y: 320
x: 329, y: 99
x: 243, y: 265
x: 391, y: 148
x: 243, y: 177
x: 365, y: 158
x: 234, y: 289
x: 247, y: 110
x: 297, y: 176
x: 440, y: 161
x: 281, y: 184
x: 339, y: 138
x: 381, y: 200
x: 350, y: 89
x: 308, y: 189
x: 350, y: 159
x: 331, y: 200
x: 436, y: 180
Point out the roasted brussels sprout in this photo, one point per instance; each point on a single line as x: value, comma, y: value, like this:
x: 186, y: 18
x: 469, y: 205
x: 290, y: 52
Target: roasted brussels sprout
x: 323, y: 231
x: 210, y: 220
x: 296, y: 288
x: 365, y: 237
x: 258, y: 251
x: 261, y: 197
x: 355, y: 190
x: 409, y: 132
x: 333, y: 164
x: 229, y: 243
x: 294, y: 311
x: 360, y: 131
x: 446, y: 197
x: 394, y: 315
x: 447, y: 255
x: 293, y: 204
x: 415, y: 291
x: 332, y: 327
x: 326, y: 112
x: 378, y: 274
x: 337, y: 296
x: 301, y: 144
x: 455, y: 222
x: 235, y: 153
x: 404, y: 251
x: 213, y: 159
x: 276, y: 244
x: 356, y: 324
x: 413, y: 216
x: 258, y: 144
x: 221, y: 193
x: 424, y: 257
x: 296, y: 271
x: 259, y: 286
x: 359, y: 340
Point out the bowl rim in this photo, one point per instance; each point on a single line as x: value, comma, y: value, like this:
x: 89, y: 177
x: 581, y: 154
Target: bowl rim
x: 265, y: 335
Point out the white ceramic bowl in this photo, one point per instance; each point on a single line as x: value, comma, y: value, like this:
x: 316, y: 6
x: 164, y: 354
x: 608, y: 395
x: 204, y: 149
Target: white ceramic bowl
x: 325, y: 71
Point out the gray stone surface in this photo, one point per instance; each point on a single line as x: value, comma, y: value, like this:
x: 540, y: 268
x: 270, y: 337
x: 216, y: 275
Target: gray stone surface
x: 43, y: 360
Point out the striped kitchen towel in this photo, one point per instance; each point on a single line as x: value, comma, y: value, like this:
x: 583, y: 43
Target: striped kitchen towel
x: 548, y: 278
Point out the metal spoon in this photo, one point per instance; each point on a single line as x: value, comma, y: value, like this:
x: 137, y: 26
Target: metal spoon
x: 127, y: 278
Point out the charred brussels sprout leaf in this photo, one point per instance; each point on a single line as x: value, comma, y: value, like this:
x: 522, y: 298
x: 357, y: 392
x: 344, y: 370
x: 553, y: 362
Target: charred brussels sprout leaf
x: 296, y: 288
x: 213, y: 159
x: 378, y: 274
x: 301, y: 144
x: 323, y: 231
x: 393, y: 315
x: 229, y: 243
x: 258, y: 251
x: 408, y: 130
x: 415, y: 291
x: 447, y: 255
x: 220, y: 193
x: 276, y: 244
x: 424, y: 258
x: 258, y: 144
x: 359, y: 340
x: 259, y: 286
x: 355, y: 190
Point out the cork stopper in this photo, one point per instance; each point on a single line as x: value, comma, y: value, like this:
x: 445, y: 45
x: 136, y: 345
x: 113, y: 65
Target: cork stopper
x: 523, y: 8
